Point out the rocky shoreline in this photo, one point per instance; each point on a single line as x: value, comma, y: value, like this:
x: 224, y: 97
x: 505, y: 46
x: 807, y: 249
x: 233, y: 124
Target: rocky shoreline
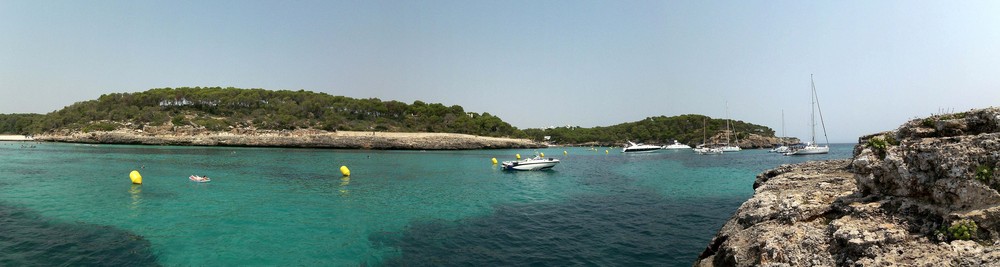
x: 925, y: 194
x: 296, y: 138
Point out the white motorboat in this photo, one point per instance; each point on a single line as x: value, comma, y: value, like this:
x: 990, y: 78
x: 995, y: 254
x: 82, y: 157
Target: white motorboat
x: 677, y: 145
x: 781, y: 149
x: 531, y: 164
x: 811, y: 148
x: 633, y: 148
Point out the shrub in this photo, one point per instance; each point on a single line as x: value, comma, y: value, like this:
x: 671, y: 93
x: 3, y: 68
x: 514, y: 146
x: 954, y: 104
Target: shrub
x: 879, y: 145
x: 984, y: 173
x: 963, y: 229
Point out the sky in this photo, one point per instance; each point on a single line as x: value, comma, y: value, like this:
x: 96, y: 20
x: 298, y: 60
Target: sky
x: 876, y: 64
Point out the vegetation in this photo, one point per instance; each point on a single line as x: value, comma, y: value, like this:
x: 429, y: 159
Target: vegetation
x: 218, y: 108
x: 963, y: 229
x: 984, y: 173
x: 881, y: 143
x: 684, y: 128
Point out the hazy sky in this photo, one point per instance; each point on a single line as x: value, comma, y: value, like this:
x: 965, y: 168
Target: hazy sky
x: 533, y: 63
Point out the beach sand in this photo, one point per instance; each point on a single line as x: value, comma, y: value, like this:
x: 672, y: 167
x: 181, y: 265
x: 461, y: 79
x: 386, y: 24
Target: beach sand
x: 15, y: 138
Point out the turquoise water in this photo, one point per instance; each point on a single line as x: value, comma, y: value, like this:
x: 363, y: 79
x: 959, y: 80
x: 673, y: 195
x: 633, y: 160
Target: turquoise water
x: 270, y: 206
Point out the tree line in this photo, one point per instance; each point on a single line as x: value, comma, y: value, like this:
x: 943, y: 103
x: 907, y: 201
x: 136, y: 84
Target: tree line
x: 217, y: 108
x: 686, y: 129
x: 220, y: 109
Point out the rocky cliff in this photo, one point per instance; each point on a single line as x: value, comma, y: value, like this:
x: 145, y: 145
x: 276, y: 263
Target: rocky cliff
x: 188, y: 136
x: 925, y: 194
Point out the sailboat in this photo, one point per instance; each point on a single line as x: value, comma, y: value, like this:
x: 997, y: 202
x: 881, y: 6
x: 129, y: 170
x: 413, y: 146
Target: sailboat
x: 728, y: 147
x: 784, y: 147
x: 703, y: 149
x: 811, y: 148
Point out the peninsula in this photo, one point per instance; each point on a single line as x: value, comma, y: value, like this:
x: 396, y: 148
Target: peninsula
x: 215, y: 116
x: 925, y: 194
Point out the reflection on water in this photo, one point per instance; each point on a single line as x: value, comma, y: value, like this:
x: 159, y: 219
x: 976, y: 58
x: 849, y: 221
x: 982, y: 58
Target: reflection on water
x: 136, y: 192
x: 343, y: 186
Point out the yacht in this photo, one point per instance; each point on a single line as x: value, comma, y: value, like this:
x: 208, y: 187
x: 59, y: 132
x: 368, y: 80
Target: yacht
x: 677, y: 145
x: 640, y: 147
x: 728, y: 147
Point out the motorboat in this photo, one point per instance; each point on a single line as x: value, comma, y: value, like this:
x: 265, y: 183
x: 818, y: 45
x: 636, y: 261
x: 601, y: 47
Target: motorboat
x: 781, y: 149
x: 531, y: 164
x: 200, y: 179
x: 640, y: 147
x: 811, y: 148
x: 677, y: 145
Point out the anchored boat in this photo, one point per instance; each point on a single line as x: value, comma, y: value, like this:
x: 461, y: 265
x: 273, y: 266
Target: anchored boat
x: 532, y: 164
x: 640, y: 147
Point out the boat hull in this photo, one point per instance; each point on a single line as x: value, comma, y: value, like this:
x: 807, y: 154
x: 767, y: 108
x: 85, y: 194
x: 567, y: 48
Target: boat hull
x: 530, y: 165
x: 810, y: 151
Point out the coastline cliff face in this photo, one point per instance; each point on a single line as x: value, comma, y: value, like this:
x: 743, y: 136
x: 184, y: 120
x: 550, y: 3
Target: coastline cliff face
x: 298, y: 138
x: 925, y: 194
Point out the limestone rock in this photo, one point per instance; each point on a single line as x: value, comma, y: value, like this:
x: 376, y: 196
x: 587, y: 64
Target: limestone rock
x: 892, y: 204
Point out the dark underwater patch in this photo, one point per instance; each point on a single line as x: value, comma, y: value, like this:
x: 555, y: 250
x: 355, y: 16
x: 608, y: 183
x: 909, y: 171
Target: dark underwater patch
x: 640, y: 229
x: 28, y: 239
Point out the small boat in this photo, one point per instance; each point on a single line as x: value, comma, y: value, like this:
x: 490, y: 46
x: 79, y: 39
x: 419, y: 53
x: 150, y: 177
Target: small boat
x: 640, y: 147
x: 677, y: 145
x: 781, y: 149
x: 532, y: 164
x: 200, y: 179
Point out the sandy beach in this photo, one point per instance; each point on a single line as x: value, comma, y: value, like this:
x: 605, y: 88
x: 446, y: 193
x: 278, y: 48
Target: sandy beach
x: 15, y: 138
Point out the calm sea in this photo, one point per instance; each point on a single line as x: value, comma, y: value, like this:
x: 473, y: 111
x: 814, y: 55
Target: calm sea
x: 74, y: 204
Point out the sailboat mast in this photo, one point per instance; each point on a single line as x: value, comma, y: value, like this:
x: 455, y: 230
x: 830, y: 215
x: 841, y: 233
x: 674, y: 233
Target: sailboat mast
x: 727, y: 123
x: 818, y: 107
x: 812, y: 114
x: 783, y: 127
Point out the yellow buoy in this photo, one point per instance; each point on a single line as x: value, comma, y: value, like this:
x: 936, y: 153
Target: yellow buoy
x: 345, y: 171
x: 494, y: 161
x: 135, y: 176
x: 541, y: 154
x: 565, y: 153
x: 518, y: 156
x: 605, y: 152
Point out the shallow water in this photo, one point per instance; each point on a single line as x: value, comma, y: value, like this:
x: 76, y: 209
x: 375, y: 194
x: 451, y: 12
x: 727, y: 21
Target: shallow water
x: 270, y: 206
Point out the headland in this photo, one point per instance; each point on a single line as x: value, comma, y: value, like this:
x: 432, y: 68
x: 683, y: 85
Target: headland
x: 925, y: 194
x: 292, y: 138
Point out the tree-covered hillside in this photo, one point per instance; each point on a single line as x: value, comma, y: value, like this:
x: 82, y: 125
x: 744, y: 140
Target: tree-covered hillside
x: 218, y: 108
x: 221, y: 109
x: 661, y: 130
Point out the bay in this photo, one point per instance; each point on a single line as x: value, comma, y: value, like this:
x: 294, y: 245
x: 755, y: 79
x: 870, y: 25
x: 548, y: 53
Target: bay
x: 277, y: 206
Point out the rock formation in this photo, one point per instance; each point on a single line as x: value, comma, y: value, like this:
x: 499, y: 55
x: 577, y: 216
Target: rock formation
x: 925, y: 194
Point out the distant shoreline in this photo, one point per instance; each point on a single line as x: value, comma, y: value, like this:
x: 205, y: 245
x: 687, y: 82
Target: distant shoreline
x: 298, y: 138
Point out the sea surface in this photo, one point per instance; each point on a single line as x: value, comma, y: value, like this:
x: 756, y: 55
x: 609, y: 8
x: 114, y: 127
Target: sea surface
x: 73, y: 204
